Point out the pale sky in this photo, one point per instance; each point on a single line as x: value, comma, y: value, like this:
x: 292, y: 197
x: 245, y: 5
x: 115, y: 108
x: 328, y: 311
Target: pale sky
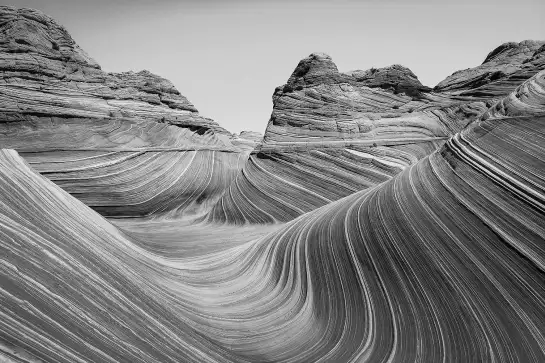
x: 227, y: 57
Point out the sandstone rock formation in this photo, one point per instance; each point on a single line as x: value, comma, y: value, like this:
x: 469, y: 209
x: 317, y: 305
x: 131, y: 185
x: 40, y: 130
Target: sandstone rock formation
x: 449, y: 251
x: 248, y: 138
x: 527, y: 100
x: 127, y: 144
x: 46, y: 74
x: 332, y: 134
x: 503, y: 69
x: 377, y: 220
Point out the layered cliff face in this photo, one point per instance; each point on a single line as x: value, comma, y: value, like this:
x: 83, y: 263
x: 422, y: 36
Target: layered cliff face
x: 332, y: 133
x: 46, y: 74
x: 528, y: 99
x: 127, y: 144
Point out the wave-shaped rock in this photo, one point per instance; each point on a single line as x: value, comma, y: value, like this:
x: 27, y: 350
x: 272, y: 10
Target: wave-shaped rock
x: 72, y: 285
x: 409, y: 241
x: 449, y: 252
x: 279, y: 186
x: 527, y: 100
x: 363, y: 127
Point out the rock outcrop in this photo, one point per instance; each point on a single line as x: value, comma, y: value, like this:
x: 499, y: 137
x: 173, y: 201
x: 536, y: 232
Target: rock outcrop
x: 332, y: 134
x: 248, y: 138
x: 527, y: 100
x: 387, y: 105
x: 46, y: 74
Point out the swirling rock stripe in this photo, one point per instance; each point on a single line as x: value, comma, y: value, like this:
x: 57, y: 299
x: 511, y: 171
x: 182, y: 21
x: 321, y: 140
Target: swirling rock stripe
x: 526, y: 100
x: 128, y: 167
x: 140, y: 183
x: 443, y: 263
x: 51, y: 133
x: 279, y: 186
x: 71, y: 289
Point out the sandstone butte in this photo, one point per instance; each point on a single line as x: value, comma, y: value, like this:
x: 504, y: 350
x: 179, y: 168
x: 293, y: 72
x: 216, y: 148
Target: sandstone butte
x: 377, y: 219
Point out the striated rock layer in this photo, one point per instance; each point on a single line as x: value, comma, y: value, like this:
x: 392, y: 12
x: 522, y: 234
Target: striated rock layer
x: 448, y: 252
x: 99, y: 135
x: 504, y: 68
x: 404, y: 224
x: 527, y: 100
x: 46, y: 74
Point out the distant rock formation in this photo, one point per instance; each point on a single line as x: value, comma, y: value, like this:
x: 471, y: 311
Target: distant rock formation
x: 318, y: 68
x: 249, y: 138
x: 250, y: 135
x: 46, y: 74
x: 320, y: 105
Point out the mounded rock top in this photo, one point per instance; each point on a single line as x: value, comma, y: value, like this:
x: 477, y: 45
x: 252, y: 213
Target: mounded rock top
x: 313, y: 68
x: 29, y: 31
x: 513, y: 52
x: 319, y: 68
x: 395, y: 77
